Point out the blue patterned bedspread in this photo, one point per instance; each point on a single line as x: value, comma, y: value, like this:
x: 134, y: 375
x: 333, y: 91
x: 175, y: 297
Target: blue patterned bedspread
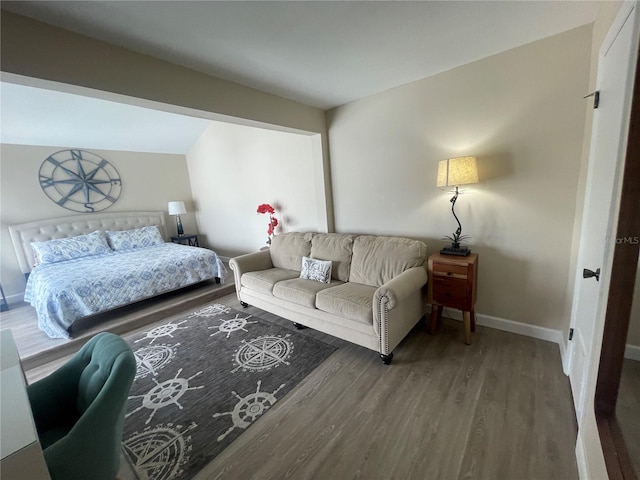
x: 66, y: 291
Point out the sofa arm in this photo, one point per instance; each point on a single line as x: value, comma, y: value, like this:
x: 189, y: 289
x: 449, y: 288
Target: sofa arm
x: 397, y: 307
x: 401, y: 287
x: 251, y: 262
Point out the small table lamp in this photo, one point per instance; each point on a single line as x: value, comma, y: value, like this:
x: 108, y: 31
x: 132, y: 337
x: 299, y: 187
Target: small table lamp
x: 452, y: 173
x: 177, y: 209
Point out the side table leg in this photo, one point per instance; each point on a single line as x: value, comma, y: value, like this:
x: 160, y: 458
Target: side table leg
x: 473, y: 320
x: 466, y: 316
x: 433, y: 323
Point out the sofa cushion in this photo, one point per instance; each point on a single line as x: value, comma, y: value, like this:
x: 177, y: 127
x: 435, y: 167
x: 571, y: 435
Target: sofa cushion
x: 300, y: 291
x: 287, y: 250
x: 336, y: 247
x: 264, y: 280
x: 376, y: 260
x: 350, y: 300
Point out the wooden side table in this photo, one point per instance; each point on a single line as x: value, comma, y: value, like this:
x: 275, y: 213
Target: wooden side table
x: 453, y: 283
x: 191, y: 240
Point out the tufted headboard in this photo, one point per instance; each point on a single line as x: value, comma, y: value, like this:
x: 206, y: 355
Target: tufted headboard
x: 74, y: 225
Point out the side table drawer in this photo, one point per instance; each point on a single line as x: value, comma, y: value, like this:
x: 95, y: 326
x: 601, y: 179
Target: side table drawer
x: 452, y: 292
x: 450, y: 270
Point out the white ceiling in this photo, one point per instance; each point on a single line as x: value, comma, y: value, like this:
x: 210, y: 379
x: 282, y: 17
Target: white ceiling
x: 322, y: 53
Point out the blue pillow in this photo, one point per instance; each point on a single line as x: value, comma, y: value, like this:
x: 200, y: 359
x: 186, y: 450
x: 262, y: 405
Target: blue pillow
x: 62, y: 249
x: 136, y: 238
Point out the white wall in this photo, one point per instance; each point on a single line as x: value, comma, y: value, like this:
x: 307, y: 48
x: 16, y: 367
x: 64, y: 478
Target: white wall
x: 234, y: 168
x: 522, y: 114
x: 149, y: 181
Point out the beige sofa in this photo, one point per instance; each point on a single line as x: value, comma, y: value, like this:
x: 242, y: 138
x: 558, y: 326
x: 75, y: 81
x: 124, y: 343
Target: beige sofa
x: 376, y: 293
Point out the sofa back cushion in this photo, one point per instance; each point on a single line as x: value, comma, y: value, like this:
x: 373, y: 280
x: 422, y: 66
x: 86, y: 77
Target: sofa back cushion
x: 336, y: 247
x: 287, y: 250
x: 376, y: 260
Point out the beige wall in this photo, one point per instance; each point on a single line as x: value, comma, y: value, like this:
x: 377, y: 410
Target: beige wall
x: 522, y: 114
x: 233, y: 169
x: 33, y: 49
x: 149, y: 181
x: 39, y: 50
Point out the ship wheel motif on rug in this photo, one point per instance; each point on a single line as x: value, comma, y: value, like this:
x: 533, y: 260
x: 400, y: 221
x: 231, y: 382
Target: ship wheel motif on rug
x: 211, y: 311
x: 164, y: 394
x: 263, y: 353
x: 166, y: 330
x: 161, y: 451
x: 152, y: 358
x: 232, y: 325
x: 248, y: 408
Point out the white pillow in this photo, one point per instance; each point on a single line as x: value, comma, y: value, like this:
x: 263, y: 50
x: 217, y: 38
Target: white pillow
x: 316, y: 270
x: 136, y: 238
x: 62, y: 249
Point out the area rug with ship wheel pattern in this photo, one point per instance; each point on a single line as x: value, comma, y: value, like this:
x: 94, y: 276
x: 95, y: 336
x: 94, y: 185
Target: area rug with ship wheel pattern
x: 202, y: 380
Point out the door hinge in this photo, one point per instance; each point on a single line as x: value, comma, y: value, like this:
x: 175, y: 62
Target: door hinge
x: 596, y: 98
x: 570, y: 334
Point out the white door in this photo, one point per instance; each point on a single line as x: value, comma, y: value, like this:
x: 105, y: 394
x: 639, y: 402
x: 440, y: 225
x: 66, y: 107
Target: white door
x: 610, y: 125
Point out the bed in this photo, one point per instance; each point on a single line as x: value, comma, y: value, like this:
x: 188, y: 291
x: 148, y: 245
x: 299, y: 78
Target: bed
x: 82, y: 265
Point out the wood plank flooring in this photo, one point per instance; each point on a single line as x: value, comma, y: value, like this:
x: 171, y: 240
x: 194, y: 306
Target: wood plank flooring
x: 497, y: 409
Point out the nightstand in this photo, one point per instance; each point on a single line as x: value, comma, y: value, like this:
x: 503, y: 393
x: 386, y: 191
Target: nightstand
x: 191, y: 240
x: 453, y: 283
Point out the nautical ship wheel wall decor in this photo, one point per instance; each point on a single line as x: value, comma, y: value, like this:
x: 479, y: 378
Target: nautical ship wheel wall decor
x: 80, y: 181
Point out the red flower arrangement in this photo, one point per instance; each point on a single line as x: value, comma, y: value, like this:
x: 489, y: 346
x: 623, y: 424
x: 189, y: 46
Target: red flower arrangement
x: 273, y: 221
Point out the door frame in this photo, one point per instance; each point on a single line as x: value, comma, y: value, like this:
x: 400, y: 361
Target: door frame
x: 619, y: 301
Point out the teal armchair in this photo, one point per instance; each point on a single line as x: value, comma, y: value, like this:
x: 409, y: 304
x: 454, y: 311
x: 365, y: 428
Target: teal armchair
x: 79, y: 410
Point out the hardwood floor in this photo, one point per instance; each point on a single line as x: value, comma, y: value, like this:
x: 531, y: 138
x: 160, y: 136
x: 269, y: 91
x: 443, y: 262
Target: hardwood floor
x: 497, y: 409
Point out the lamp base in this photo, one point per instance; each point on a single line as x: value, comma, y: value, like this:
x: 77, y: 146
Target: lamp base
x: 179, y: 226
x: 460, y: 251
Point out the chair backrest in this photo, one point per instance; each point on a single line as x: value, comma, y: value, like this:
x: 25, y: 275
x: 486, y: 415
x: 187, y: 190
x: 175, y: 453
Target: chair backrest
x: 104, y: 355
x: 95, y: 383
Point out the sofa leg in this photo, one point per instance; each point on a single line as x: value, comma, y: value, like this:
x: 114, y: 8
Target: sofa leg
x: 298, y: 326
x: 386, y: 359
x: 244, y: 304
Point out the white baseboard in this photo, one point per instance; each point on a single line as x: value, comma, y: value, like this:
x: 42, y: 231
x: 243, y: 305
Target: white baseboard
x: 565, y: 356
x: 534, y: 331
x: 15, y: 298
x: 632, y: 352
